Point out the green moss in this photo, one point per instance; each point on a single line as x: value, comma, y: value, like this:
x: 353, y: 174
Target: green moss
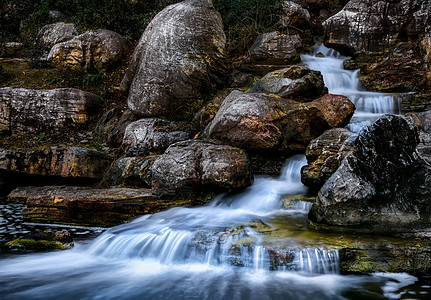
x: 38, y: 245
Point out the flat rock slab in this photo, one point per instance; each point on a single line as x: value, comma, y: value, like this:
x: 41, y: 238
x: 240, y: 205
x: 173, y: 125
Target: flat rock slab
x: 88, y: 206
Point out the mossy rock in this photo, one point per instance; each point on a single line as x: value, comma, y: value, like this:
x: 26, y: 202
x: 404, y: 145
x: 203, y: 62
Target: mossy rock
x: 37, y: 245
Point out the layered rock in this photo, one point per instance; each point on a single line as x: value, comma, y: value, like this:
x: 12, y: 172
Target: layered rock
x: 151, y: 135
x: 59, y: 32
x: 260, y: 122
x: 88, y: 206
x: 178, y: 59
x: 373, y: 26
x: 193, y: 166
x: 41, y: 110
x: 382, y: 186
x: 324, y: 155
x: 99, y: 49
x: 296, y: 82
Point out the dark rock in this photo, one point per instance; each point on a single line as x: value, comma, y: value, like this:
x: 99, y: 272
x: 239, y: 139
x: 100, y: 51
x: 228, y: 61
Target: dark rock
x: 261, y: 122
x: 296, y: 82
x: 88, y: 206
x: 207, y: 113
x: 42, y: 110
x: 415, y: 102
x: 324, y: 155
x: 382, y: 186
x: 179, y: 59
x: 195, y: 165
x: 51, y: 34
x: 112, y: 125
x: 373, y: 26
x: 13, y: 50
x: 133, y: 172
x: 72, y: 162
x: 42, y: 241
x: 147, y: 136
x: 99, y: 49
x: 293, y: 14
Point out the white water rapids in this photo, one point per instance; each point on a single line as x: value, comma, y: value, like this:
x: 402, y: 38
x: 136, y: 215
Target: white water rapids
x: 228, y: 249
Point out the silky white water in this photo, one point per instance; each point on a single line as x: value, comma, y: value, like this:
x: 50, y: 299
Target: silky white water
x: 369, y: 105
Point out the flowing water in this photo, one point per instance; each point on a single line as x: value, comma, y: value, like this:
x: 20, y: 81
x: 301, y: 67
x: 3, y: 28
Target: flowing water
x: 250, y: 245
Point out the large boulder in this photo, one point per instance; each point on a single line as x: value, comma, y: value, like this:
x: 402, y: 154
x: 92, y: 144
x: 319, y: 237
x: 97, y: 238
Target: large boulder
x: 382, y: 186
x: 41, y: 110
x: 295, y: 82
x: 293, y: 15
x: 373, y: 26
x: 324, y: 155
x: 59, y: 32
x: 262, y: 122
x: 151, y: 135
x: 88, y: 206
x: 192, y: 166
x: 180, y: 56
x: 99, y: 49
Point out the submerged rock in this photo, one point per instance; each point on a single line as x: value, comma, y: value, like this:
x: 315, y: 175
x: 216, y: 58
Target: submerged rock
x: 382, y: 186
x: 197, y: 165
x: 88, y: 206
x: 41, y: 110
x: 179, y: 58
x: 99, y: 49
x: 262, y: 122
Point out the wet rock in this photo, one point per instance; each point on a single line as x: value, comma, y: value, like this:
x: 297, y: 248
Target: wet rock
x: 382, y: 186
x: 112, y: 125
x: 151, y: 136
x: 272, y: 51
x: 415, y: 102
x: 207, y: 113
x: 72, y: 162
x: 324, y: 155
x: 59, y: 32
x: 42, y: 110
x: 88, y: 206
x: 196, y: 165
x: 12, y: 49
x: 179, y: 58
x: 296, y: 82
x: 42, y: 241
x: 99, y: 49
x: 261, y: 122
x: 133, y: 171
x: 373, y: 26
x: 422, y: 120
x: 293, y: 14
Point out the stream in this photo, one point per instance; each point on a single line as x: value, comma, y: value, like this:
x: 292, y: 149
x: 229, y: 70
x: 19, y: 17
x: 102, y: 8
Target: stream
x: 250, y: 245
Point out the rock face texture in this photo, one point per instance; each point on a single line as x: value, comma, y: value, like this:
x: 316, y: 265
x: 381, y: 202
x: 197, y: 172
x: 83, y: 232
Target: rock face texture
x: 382, y: 186
x: 324, y: 155
x: 296, y: 82
x: 293, y: 14
x: 38, y: 110
x: 88, y: 206
x: 194, y: 165
x: 373, y: 26
x: 151, y: 135
x: 99, y: 49
x: 72, y: 162
x: 260, y: 122
x: 51, y: 34
x: 133, y: 171
x: 179, y: 57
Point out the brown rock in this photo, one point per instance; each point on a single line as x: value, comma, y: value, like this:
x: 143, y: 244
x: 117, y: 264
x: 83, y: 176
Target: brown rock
x: 133, y: 171
x: 337, y: 110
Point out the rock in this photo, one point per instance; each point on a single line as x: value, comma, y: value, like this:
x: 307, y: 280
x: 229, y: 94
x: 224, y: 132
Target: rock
x: 151, y: 136
x: 12, y: 49
x: 261, y: 122
x: 179, y: 58
x: 324, y: 155
x: 293, y: 15
x: 296, y: 82
x: 207, y: 113
x: 133, y: 171
x: 415, y: 102
x: 99, y: 49
x: 112, y: 125
x: 373, y: 26
x: 59, y: 32
x: 426, y: 45
x: 72, y: 162
x: 422, y: 120
x: 197, y: 165
x: 382, y: 186
x: 42, y: 110
x: 88, y: 206
x: 272, y: 51
x: 43, y: 241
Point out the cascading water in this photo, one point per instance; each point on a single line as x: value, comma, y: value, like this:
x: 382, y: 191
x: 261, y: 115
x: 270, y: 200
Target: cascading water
x: 369, y: 105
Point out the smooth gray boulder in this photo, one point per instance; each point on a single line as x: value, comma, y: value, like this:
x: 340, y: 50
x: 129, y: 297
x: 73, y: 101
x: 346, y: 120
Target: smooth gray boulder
x: 179, y: 58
